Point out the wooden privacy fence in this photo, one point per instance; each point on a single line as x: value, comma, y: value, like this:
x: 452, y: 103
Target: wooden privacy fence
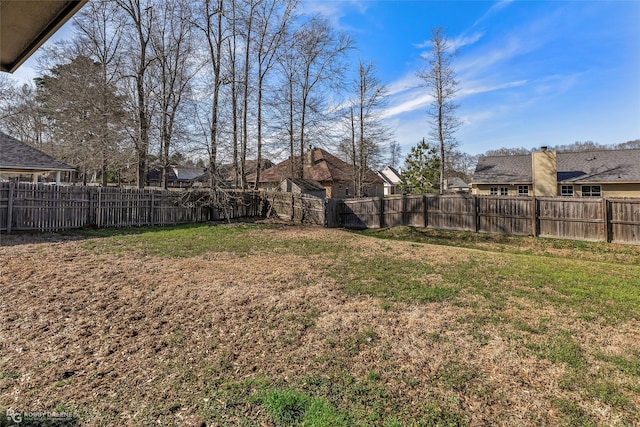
x: 49, y: 208
x: 605, y: 219
x: 29, y: 207
x: 296, y: 207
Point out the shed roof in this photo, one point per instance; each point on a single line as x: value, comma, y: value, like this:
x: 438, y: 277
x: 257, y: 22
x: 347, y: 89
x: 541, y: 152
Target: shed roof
x: 18, y: 156
x: 579, y: 166
x: 307, y: 184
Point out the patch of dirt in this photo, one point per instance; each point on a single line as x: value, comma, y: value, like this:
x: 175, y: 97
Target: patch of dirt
x: 131, y: 340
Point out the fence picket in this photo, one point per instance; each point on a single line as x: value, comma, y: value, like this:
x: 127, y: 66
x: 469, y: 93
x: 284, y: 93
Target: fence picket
x: 40, y: 207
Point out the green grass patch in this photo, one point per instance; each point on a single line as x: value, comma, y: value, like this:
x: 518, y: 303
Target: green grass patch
x: 291, y: 408
x: 390, y: 279
x: 560, y: 348
x: 572, y: 414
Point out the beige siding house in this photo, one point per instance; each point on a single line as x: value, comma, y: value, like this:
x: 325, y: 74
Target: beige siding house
x: 611, y: 173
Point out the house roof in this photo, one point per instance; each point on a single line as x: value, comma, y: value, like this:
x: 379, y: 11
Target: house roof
x: 20, y: 157
x: 390, y: 176
x: 319, y: 165
x: 456, y: 182
x: 26, y: 25
x: 307, y: 184
x: 580, y: 166
x: 187, y: 173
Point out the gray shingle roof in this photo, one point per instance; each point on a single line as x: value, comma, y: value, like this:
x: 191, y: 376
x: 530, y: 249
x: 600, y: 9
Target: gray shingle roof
x: 583, y: 166
x: 456, y: 182
x: 16, y: 155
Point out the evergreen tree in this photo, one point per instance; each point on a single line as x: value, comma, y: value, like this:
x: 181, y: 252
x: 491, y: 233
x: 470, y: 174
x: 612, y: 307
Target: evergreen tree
x: 422, y: 169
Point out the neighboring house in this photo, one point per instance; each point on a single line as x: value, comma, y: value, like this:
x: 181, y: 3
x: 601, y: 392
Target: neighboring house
x: 303, y: 186
x: 570, y: 174
x: 392, y: 180
x: 228, y: 177
x: 18, y: 159
x: 179, y: 176
x: 333, y: 174
x: 457, y: 185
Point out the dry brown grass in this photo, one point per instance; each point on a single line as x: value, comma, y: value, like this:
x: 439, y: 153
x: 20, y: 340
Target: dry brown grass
x: 126, y: 338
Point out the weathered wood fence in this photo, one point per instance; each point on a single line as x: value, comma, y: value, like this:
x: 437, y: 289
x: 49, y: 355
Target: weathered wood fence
x: 51, y: 208
x: 296, y: 207
x: 594, y: 219
x: 29, y: 207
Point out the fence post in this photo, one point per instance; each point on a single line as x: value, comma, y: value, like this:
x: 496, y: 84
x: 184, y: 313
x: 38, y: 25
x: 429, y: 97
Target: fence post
x: 405, y: 215
x: 89, y: 208
x: 99, y: 209
x: 424, y: 210
x: 476, y: 202
x: 534, y: 217
x: 10, y: 207
x: 381, y: 212
x: 605, y: 219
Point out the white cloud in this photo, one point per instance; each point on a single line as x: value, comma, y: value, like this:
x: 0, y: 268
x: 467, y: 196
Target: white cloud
x: 495, y: 8
x: 474, y: 88
x: 415, y: 100
x: 334, y: 11
x: 463, y: 40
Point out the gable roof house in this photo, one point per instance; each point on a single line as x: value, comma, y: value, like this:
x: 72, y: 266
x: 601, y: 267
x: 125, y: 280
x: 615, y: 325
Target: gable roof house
x: 18, y: 158
x: 332, y: 173
x: 614, y: 173
x: 457, y: 185
x: 179, y: 176
x: 392, y: 180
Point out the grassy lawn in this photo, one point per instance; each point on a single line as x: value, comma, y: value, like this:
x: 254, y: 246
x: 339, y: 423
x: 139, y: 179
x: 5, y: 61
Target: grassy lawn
x: 266, y: 324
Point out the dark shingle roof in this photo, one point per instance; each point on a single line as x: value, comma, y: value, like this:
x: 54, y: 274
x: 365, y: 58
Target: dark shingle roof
x: 307, y: 184
x: 503, y: 169
x: 579, y: 166
x: 16, y: 155
x: 325, y: 168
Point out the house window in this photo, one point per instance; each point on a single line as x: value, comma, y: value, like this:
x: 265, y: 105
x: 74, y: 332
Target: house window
x: 591, y: 191
x: 566, y: 190
x: 493, y: 191
x: 523, y: 190
x: 504, y: 191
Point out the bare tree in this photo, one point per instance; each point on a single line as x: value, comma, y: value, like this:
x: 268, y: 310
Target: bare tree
x: 395, y: 153
x: 139, y: 15
x: 273, y: 19
x: 172, y: 46
x: 372, y: 132
x: 440, y: 78
x: 214, y: 32
x: 320, y: 51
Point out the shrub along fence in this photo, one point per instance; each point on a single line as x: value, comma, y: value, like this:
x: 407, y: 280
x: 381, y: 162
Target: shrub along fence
x: 594, y: 219
x: 29, y: 207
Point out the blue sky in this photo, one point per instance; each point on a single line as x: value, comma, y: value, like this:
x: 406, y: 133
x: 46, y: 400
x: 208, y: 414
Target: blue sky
x: 531, y: 73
